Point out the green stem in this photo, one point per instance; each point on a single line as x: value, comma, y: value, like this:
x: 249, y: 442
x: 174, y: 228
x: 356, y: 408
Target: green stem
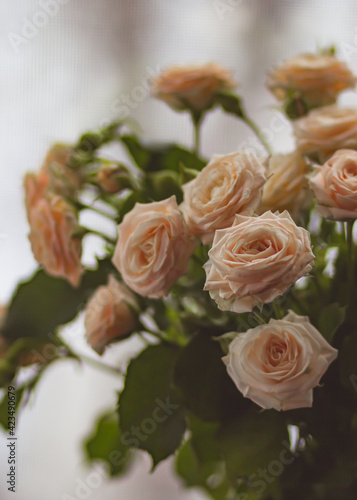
x: 83, y: 206
x: 277, y: 310
x: 258, y: 318
x: 197, y: 120
x: 257, y: 132
x: 197, y: 139
x: 101, y: 235
x: 351, y: 260
x: 316, y: 282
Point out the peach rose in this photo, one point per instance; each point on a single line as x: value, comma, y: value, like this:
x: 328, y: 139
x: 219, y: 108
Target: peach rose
x: 277, y: 365
x: 192, y: 87
x: 335, y: 186
x: 325, y: 130
x: 53, y: 223
x: 287, y: 186
x: 228, y: 185
x: 153, y: 248
x: 54, y: 176
x: 36, y: 186
x: 256, y: 260
x: 109, y: 314
x: 319, y: 78
x: 63, y: 179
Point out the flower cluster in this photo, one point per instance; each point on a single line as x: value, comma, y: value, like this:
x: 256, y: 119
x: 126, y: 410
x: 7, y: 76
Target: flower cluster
x: 245, y: 208
x: 221, y: 266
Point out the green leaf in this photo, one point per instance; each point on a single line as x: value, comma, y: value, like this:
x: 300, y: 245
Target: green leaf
x: 4, y: 407
x: 106, y: 444
x: 151, y: 413
x: 204, y: 439
x: 44, y: 302
x: 21, y: 352
x: 91, y: 141
x: 163, y: 184
x: 152, y: 158
x: 186, y: 174
x: 296, y: 107
x: 209, y: 475
x: 251, y: 442
x: 231, y: 104
x: 213, y: 395
x: 125, y: 202
x: 331, y: 317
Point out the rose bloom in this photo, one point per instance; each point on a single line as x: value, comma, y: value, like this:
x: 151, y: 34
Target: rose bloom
x: 287, y: 186
x: 54, y: 175
x: 335, y: 186
x: 52, y: 226
x: 153, y: 247
x: 109, y: 314
x: 325, y: 130
x: 192, y: 87
x: 228, y: 185
x: 256, y: 260
x: 278, y: 364
x: 319, y: 78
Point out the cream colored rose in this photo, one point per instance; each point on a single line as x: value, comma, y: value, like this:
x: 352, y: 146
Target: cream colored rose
x: 53, y: 223
x: 192, y: 87
x: 277, y: 365
x: 287, y: 187
x: 256, y: 260
x: 323, y: 131
x: 228, y: 185
x: 335, y: 186
x: 153, y: 247
x: 319, y: 78
x: 110, y: 314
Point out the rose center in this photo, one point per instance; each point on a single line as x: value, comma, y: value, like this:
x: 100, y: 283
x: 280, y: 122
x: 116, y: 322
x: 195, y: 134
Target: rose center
x: 255, y: 247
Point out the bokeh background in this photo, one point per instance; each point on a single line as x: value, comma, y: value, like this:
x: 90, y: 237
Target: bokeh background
x: 74, y: 69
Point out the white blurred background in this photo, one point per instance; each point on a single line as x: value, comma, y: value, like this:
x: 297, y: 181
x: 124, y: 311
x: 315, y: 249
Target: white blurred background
x: 69, y: 71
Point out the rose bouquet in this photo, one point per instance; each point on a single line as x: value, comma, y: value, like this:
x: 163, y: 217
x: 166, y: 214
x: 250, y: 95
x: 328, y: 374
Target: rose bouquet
x: 237, y: 273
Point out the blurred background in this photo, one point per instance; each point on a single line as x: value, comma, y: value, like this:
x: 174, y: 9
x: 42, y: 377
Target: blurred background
x: 72, y: 65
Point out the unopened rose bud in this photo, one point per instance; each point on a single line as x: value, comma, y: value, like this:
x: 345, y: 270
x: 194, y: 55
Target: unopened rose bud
x: 114, y: 178
x: 110, y: 315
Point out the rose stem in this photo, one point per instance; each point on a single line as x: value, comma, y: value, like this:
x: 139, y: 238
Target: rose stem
x: 258, y: 318
x: 351, y: 260
x: 196, y: 119
x: 97, y: 233
x: 277, y: 311
x: 82, y: 206
x: 99, y: 364
x: 256, y: 130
